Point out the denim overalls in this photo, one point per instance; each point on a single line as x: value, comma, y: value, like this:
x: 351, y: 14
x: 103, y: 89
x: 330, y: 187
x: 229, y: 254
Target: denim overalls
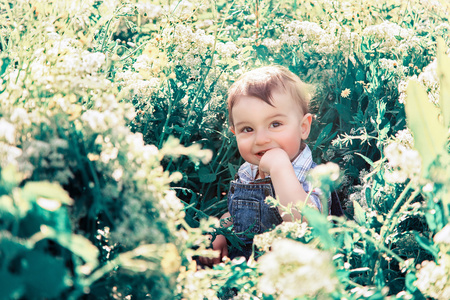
x: 250, y: 213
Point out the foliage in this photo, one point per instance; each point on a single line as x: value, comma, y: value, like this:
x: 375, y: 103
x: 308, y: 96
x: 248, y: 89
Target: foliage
x: 106, y: 105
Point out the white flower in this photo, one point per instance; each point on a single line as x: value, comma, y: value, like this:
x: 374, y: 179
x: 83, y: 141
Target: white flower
x: 135, y: 83
x: 329, y: 170
x: 433, y: 279
x: 293, y: 269
x: 386, y: 35
x: 172, y: 208
x: 8, y: 154
x: 91, y: 62
x: 265, y: 240
x: 152, y: 11
x: 345, y: 93
x: 393, y: 66
x: 7, y: 131
x: 443, y: 236
x: 403, y: 163
x: 405, y: 137
x: 142, y: 62
x: 227, y: 49
x: 20, y: 115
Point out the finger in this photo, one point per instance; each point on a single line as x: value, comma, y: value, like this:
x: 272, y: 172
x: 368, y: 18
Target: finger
x: 225, y: 252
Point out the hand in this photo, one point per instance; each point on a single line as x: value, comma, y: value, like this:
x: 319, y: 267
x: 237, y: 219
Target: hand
x: 274, y: 159
x: 219, y: 244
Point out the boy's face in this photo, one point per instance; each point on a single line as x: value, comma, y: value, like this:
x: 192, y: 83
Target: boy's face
x: 260, y: 127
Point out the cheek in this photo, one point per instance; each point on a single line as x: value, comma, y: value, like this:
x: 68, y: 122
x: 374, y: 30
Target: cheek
x: 243, y: 144
x: 290, y: 141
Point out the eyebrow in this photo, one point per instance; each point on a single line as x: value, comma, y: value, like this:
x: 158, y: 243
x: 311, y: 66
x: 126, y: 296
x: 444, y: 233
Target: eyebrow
x: 268, y: 118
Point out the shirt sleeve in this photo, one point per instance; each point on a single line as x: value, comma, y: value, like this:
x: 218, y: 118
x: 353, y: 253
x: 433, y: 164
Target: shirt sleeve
x: 315, y: 198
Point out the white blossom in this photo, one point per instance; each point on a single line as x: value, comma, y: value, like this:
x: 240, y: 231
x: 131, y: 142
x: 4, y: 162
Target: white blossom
x: 433, y: 279
x: 386, y: 35
x: 403, y: 163
x: 7, y: 131
x: 293, y: 269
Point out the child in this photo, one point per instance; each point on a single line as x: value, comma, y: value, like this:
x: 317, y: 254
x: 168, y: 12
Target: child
x: 268, y: 113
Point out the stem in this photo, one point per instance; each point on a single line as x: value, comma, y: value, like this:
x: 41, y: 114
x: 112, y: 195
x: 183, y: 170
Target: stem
x: 367, y: 237
x: 100, y: 272
x: 135, y: 50
x: 169, y: 114
x: 106, y: 34
x: 191, y: 108
x: 402, y: 209
x: 394, y: 209
x: 257, y: 19
x: 107, y: 28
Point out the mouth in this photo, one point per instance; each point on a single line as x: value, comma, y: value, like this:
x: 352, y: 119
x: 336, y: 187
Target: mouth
x: 261, y: 153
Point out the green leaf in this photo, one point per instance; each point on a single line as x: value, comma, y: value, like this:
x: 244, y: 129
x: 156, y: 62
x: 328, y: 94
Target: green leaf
x: 323, y: 134
x: 427, y: 244
x: 360, y: 215
x: 11, y: 287
x: 5, y: 61
x: 206, y: 176
x: 10, y: 247
x: 348, y: 242
x: 344, y: 111
x: 43, y: 274
x: 430, y: 136
x: 381, y: 109
x: 368, y: 160
x: 443, y: 72
x: 77, y: 244
x: 431, y: 220
x: 262, y: 51
x: 410, y: 278
x: 320, y: 226
x: 233, y: 169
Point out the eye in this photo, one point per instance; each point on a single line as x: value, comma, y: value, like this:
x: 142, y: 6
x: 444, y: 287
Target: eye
x: 275, y: 124
x: 246, y: 129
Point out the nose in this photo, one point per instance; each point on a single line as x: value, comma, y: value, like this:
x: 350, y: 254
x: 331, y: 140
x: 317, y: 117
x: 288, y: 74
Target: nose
x: 261, y: 137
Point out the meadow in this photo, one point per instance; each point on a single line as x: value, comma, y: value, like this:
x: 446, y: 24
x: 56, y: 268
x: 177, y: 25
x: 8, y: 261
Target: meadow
x: 116, y: 155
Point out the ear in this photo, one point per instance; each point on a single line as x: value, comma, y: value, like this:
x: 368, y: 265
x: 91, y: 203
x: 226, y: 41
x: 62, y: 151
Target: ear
x: 306, y: 126
x: 232, y: 130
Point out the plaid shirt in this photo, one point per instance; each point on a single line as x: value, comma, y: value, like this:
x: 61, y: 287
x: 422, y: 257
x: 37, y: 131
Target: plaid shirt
x: 301, y: 164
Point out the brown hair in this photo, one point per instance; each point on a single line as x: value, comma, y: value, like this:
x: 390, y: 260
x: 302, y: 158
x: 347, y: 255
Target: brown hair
x: 261, y: 82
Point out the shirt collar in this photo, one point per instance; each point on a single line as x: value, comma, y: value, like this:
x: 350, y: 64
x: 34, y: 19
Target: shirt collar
x: 302, y: 164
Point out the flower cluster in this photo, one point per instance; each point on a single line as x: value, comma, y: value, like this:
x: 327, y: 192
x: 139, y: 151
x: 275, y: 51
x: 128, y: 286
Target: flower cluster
x: 293, y: 230
x: 433, y: 278
x: 312, y: 37
x: 8, y: 151
x: 183, y: 38
x: 290, y: 263
x: 358, y: 193
x: 405, y: 137
x: 391, y: 36
x: 403, y: 163
x: 393, y: 66
x: 428, y: 78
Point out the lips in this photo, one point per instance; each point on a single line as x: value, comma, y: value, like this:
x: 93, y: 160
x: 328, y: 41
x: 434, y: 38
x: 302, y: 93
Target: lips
x: 261, y: 153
